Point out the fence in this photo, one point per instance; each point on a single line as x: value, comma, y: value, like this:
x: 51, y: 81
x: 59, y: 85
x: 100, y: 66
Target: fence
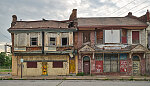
x: 5, y: 69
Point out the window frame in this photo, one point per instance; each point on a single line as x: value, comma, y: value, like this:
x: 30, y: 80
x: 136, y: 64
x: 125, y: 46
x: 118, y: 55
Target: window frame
x: 32, y: 41
x: 67, y: 41
x: 139, y: 37
x: 112, y: 41
x: 83, y: 37
x: 50, y: 41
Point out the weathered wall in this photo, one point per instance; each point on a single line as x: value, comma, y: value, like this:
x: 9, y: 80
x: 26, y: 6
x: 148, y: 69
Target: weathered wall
x: 38, y: 71
x: 143, y: 38
x: 148, y: 63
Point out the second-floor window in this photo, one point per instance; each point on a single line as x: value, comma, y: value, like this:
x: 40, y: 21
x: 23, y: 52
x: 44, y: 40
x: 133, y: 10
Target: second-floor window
x: 52, y: 41
x: 112, y: 36
x: 135, y: 37
x: 64, y: 41
x: 86, y: 37
x: 34, y: 41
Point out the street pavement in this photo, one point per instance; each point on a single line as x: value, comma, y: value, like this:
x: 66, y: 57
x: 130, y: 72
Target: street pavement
x: 72, y: 83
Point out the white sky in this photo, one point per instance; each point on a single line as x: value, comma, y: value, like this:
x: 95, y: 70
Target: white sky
x: 61, y: 10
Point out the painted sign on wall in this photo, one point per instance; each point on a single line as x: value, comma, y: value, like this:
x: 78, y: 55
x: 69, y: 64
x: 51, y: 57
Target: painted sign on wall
x: 123, y: 66
x: 99, y: 66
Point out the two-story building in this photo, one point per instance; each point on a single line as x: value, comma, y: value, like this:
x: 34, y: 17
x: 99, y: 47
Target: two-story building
x: 46, y: 47
x: 111, y: 45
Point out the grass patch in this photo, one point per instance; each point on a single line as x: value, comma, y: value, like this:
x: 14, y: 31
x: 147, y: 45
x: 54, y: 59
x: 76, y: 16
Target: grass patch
x: 5, y: 70
x: 80, y: 74
x: 10, y: 79
x: 131, y: 79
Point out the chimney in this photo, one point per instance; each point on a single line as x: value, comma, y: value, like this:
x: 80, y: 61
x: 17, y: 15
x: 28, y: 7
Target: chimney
x: 73, y: 14
x: 147, y: 16
x: 14, y: 19
x: 129, y: 14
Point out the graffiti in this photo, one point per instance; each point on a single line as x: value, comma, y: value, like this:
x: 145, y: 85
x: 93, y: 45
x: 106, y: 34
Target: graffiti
x: 99, y: 66
x: 123, y: 66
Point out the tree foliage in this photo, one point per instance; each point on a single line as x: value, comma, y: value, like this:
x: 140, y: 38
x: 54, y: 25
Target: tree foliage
x: 5, y: 60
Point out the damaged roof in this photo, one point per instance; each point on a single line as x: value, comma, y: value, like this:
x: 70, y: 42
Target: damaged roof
x: 109, y: 21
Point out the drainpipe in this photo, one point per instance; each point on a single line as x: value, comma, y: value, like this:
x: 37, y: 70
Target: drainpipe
x: 42, y: 42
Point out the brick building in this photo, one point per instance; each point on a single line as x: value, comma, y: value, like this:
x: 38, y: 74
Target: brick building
x: 93, y: 45
x: 112, y: 45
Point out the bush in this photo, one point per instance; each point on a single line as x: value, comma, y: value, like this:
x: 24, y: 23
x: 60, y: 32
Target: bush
x: 80, y: 74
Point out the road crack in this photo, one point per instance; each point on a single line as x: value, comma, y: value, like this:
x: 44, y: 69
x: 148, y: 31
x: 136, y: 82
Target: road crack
x: 59, y: 83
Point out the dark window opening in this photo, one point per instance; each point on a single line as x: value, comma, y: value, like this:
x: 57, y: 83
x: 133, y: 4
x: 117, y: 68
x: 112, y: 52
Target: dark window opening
x: 31, y: 64
x: 52, y: 41
x: 71, y: 24
x: 34, y: 41
x: 124, y: 36
x: 64, y: 41
x: 99, y: 35
x: 86, y: 37
x: 57, y: 64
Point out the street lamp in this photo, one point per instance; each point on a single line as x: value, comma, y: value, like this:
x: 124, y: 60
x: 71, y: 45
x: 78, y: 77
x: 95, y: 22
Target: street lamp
x: 21, y: 60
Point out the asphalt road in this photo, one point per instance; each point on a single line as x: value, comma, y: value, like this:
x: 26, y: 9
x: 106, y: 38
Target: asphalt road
x: 72, y: 83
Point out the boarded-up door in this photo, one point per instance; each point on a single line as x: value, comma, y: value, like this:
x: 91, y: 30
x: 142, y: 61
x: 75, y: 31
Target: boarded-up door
x: 136, y: 65
x: 86, y: 65
x: 44, y: 68
x: 72, y: 66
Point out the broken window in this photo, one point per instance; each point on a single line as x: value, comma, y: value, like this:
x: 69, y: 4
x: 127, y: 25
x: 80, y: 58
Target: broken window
x: 86, y: 37
x: 124, y: 36
x: 112, y: 36
x: 58, y: 64
x: 31, y: 64
x: 99, y: 35
x: 64, y: 41
x: 52, y: 41
x: 135, y: 37
x: 34, y: 41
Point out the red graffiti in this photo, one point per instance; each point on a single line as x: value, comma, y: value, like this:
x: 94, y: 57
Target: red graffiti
x: 99, y: 66
x: 123, y: 66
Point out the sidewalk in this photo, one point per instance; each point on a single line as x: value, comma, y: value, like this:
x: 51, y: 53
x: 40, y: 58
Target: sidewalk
x: 98, y: 77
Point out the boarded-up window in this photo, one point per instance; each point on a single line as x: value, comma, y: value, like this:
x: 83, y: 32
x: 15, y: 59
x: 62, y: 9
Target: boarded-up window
x: 57, y: 64
x: 52, y: 41
x: 111, y: 63
x: 34, y: 41
x: 86, y: 37
x: 135, y: 37
x: 99, y: 35
x: 112, y: 36
x: 124, y: 36
x: 20, y: 39
x: 31, y: 64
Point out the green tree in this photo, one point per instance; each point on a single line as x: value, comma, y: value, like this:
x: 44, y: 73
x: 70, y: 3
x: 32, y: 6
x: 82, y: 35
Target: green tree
x: 5, y: 60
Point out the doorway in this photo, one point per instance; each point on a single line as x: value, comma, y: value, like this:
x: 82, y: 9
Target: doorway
x: 136, y: 65
x: 86, y: 65
x: 44, y: 68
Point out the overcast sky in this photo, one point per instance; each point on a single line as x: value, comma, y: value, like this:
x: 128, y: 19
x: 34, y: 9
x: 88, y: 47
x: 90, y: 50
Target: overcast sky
x: 61, y: 10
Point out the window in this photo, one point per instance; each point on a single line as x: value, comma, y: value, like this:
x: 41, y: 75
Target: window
x: 111, y: 63
x: 31, y: 64
x: 99, y: 57
x: 124, y: 36
x: 52, y: 41
x: 135, y: 37
x: 148, y: 40
x: 86, y: 37
x: 112, y: 36
x: 99, y: 35
x: 34, y: 41
x: 57, y: 64
x: 64, y: 41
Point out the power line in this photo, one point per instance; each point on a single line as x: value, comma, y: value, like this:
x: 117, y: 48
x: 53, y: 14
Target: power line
x: 133, y: 7
x: 122, y: 7
x: 5, y: 36
x: 141, y: 8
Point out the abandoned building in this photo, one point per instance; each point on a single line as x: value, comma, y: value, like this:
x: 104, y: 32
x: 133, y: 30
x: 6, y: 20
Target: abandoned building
x: 89, y: 45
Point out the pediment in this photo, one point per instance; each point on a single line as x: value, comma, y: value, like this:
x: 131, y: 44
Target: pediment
x: 139, y: 48
x: 86, y: 48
